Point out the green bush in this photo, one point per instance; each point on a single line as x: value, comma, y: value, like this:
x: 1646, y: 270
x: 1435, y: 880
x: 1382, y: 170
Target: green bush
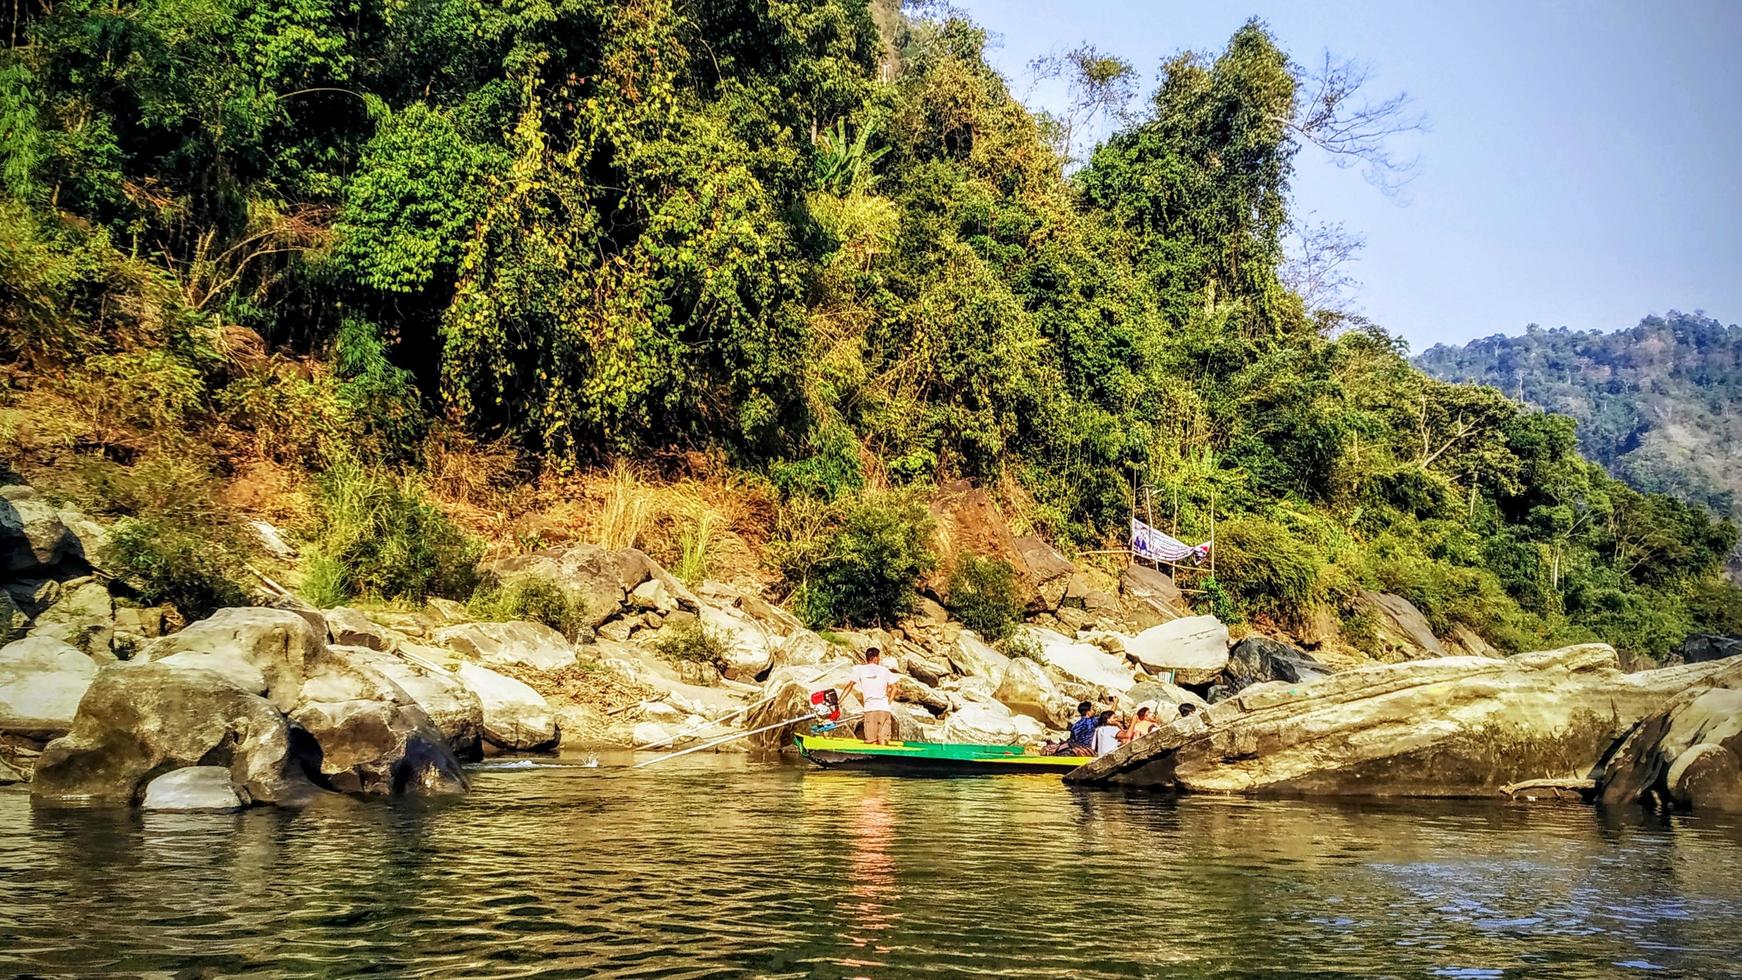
x: 983, y: 595
x: 694, y: 643
x: 163, y: 564
x: 1266, y: 569
x: 384, y: 539
x: 861, y: 567
x: 532, y: 598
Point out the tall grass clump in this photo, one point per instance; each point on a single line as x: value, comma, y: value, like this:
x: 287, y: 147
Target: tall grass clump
x: 628, y: 508
x: 162, y: 563
x: 379, y: 536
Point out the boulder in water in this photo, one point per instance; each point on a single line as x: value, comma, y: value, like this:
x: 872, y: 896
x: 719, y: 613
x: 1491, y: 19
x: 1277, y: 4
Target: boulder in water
x: 1454, y: 726
x: 41, y: 683
x: 452, y: 708
x: 516, y: 718
x: 1686, y: 756
x: 375, y: 740
x: 138, y: 721
x: 194, y: 788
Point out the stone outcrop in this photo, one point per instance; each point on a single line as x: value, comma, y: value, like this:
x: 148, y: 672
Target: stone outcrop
x: 1705, y: 647
x: 41, y: 683
x: 1258, y: 659
x: 1151, y: 597
x: 1085, y: 663
x: 1048, y: 573
x: 1193, y: 648
x: 1688, y: 755
x: 1402, y: 631
x: 1456, y: 726
x: 515, y: 717
x: 31, y: 533
x: 354, y: 728
x: 1027, y: 689
x: 139, y: 721
x: 375, y: 739
x: 195, y: 788
x: 454, y: 710
x: 603, y: 577
x: 83, y: 616
x: 522, y: 644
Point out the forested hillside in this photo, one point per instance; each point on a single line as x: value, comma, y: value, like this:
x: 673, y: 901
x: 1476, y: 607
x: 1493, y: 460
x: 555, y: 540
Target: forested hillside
x: 1659, y: 404
x: 407, y: 256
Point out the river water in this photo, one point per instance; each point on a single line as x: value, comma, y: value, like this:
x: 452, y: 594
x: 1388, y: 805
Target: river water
x: 728, y: 866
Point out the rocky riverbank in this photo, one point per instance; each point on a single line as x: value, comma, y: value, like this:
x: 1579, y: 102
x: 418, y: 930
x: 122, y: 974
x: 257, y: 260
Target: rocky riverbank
x: 102, y: 701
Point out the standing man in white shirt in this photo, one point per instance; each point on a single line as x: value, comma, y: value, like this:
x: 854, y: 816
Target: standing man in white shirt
x: 873, y: 681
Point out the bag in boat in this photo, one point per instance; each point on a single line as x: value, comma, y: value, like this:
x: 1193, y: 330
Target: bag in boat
x: 826, y: 705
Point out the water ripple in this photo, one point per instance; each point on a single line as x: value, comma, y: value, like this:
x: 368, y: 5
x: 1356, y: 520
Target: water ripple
x: 725, y: 867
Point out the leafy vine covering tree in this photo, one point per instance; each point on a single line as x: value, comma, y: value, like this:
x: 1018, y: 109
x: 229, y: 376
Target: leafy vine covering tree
x: 818, y: 236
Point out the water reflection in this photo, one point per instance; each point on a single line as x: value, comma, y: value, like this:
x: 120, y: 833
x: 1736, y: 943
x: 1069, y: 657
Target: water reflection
x: 722, y: 866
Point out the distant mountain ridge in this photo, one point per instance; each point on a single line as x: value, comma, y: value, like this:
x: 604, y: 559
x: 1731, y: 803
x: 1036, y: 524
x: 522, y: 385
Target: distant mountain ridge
x: 1659, y: 404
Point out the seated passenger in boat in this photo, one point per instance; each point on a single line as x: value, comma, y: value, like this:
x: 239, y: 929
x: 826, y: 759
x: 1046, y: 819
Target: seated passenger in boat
x: 1107, y: 733
x: 1081, y: 740
x: 1140, y: 726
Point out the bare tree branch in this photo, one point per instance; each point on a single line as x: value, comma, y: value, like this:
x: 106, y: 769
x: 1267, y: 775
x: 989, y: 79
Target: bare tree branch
x: 1099, y: 86
x: 1331, y: 113
x: 1317, y: 265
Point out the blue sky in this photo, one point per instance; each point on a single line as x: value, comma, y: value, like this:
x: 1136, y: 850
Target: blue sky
x: 1583, y: 165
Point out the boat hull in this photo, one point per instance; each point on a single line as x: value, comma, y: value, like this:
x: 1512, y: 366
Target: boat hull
x: 929, y: 759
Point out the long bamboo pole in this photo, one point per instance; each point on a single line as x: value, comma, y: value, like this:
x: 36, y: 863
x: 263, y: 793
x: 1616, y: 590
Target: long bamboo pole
x: 722, y: 741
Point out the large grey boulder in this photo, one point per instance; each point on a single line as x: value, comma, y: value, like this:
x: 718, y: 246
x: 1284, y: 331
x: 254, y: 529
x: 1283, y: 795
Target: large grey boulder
x: 42, y: 681
x: 974, y: 657
x: 1402, y: 631
x: 1085, y: 663
x: 1193, y: 648
x: 1025, y: 688
x: 84, y: 617
x: 985, y: 723
x: 1688, y: 755
x: 1047, y: 572
x: 520, y: 644
x: 194, y: 788
x: 1454, y: 726
x: 1705, y: 647
x: 270, y: 652
x: 31, y: 533
x: 603, y: 577
x: 749, y: 650
x: 455, y: 711
x: 1151, y: 597
x: 349, y: 627
x: 1258, y: 659
x: 516, y: 718
x: 375, y: 739
x: 138, y: 721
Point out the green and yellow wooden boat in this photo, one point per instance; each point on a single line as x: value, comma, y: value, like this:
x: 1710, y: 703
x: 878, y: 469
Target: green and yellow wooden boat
x: 933, y: 758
